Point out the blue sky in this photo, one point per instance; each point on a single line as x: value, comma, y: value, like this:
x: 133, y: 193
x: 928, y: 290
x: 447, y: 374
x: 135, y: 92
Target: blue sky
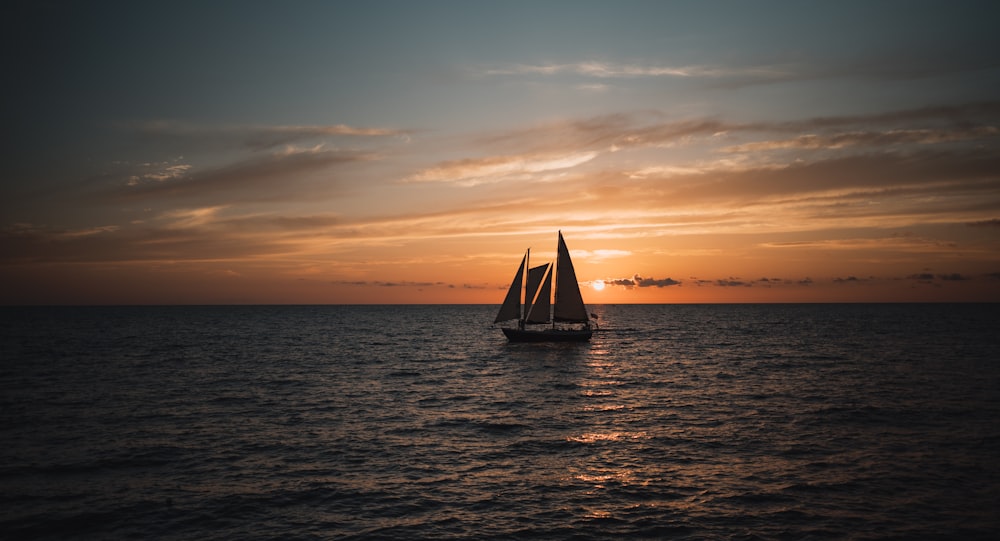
x: 320, y: 150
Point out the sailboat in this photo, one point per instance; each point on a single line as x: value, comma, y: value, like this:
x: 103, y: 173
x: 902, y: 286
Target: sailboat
x: 565, y: 320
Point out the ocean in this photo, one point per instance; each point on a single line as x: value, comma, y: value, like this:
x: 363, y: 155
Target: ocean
x: 826, y: 421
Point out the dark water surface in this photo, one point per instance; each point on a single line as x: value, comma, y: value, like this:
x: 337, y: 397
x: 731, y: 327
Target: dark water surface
x: 335, y: 422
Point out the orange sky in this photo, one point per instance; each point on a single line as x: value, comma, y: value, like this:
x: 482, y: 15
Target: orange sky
x: 356, y: 154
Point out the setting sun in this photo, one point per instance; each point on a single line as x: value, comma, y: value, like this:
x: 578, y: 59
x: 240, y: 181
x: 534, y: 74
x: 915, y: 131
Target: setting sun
x: 597, y: 285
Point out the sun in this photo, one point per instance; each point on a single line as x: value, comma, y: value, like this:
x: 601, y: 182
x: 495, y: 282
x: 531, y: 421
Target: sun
x: 597, y: 285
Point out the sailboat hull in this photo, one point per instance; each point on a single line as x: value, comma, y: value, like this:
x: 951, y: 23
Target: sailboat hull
x: 548, y: 335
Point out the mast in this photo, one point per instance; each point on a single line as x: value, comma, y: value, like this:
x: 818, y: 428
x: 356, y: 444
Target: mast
x: 527, y: 294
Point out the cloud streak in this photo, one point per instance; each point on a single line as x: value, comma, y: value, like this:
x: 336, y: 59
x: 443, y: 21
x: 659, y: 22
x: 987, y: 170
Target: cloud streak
x: 566, y: 145
x: 609, y: 70
x: 870, y: 139
x: 479, y: 170
x: 268, y: 177
x: 259, y: 137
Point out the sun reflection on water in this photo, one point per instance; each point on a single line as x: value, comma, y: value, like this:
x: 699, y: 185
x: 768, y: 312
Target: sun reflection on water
x: 597, y: 514
x: 594, y: 437
x: 603, y: 407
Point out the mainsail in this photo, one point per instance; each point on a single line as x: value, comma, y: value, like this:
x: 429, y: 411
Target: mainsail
x: 569, y: 301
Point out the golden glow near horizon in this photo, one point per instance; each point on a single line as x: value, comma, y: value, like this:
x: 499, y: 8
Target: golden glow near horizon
x: 315, y: 170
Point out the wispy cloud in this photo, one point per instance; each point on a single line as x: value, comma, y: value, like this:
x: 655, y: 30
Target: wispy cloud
x: 725, y: 145
x: 968, y: 114
x: 893, y: 243
x: 870, y: 139
x: 27, y: 230
x: 607, y: 133
x: 158, y: 172
x: 265, y: 177
x: 259, y: 137
x: 886, y: 66
x: 479, y: 170
x: 867, y: 178
x: 607, y: 70
x: 995, y: 222
x: 600, y: 255
x: 187, y: 218
x: 392, y: 283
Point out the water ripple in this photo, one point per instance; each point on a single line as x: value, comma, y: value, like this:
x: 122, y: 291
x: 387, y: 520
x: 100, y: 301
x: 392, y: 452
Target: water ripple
x: 688, y: 422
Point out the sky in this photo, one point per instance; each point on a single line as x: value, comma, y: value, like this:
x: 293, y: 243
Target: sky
x: 410, y: 152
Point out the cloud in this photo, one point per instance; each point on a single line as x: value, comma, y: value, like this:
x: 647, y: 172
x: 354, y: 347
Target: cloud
x: 191, y: 234
x: 602, y: 134
x: 594, y: 69
x: 849, y: 280
x: 898, y: 243
x: 381, y: 283
x: 868, y: 175
x: 927, y: 277
x: 870, y: 139
x: 478, y: 170
x: 863, y: 158
x: 779, y: 283
x: 305, y: 223
x: 600, y: 255
x: 964, y: 114
x: 652, y: 282
x: 639, y: 281
x: 267, y: 177
x: 51, y: 234
x: 608, y: 70
x: 190, y: 218
x: 159, y: 172
x: 985, y: 223
x: 199, y: 212
x: 914, y: 61
x: 258, y: 137
x: 896, y: 135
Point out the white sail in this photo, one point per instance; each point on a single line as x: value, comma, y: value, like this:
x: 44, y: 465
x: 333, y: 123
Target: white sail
x: 511, y: 308
x: 540, y: 308
x: 569, y: 302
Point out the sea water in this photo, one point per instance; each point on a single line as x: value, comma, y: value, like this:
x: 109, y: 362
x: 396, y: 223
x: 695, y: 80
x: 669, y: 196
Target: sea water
x: 399, y: 422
